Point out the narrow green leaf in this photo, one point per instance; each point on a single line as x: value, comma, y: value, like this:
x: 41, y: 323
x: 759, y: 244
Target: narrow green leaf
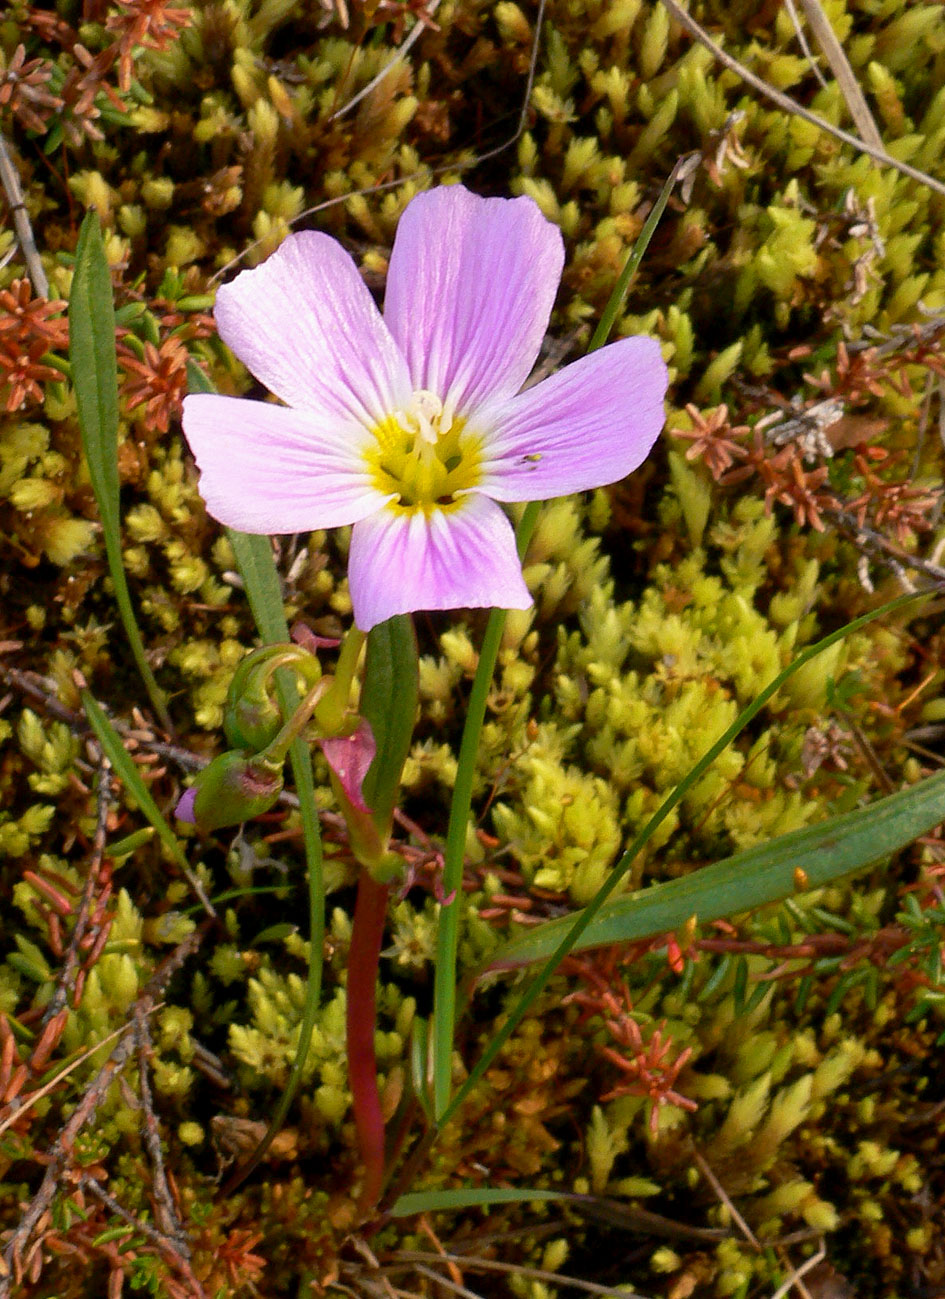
x: 95, y: 377
x: 419, y: 1064
x: 94, y: 366
x: 197, y: 380
x: 389, y: 703
x: 468, y: 1196
x: 262, y: 584
x: 447, y: 933
x: 751, y: 879
x: 124, y: 767
x: 631, y: 265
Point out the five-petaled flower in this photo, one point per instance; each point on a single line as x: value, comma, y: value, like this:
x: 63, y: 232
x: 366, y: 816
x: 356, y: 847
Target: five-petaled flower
x: 413, y: 426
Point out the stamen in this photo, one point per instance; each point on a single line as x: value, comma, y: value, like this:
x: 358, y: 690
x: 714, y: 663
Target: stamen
x: 426, y: 407
x: 422, y: 455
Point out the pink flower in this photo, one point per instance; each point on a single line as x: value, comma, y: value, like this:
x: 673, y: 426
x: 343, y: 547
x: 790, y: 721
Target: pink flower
x: 413, y: 426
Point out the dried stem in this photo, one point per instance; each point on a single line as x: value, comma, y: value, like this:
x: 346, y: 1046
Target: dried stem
x: 21, y: 221
x: 168, y: 1247
x: 81, y: 926
x: 399, y: 54
x: 835, y: 55
x: 165, y: 1210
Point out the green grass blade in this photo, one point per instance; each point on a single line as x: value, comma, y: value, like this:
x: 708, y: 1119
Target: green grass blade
x: 582, y: 922
x: 262, y: 585
x: 634, y: 258
x: 466, y: 1197
x: 442, y: 1026
x: 124, y: 767
x: 750, y: 879
x: 95, y: 377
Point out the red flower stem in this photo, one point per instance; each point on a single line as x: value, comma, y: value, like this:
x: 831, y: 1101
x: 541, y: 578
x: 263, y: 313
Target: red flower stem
x: 367, y: 934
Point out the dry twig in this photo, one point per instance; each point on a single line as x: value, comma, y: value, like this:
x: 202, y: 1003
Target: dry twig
x: 82, y: 921
x: 21, y: 221
x: 835, y: 55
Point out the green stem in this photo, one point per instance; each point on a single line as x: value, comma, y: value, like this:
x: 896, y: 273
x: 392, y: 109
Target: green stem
x: 331, y: 710
x: 447, y: 935
x: 363, y: 961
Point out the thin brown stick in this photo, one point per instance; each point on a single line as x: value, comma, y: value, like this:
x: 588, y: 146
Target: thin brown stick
x: 80, y: 928
x: 794, y: 1280
x: 882, y: 548
x: 33, y: 1098
x: 802, y: 42
x: 400, y: 53
x: 454, y: 1286
x: 704, y: 1168
x: 166, y: 1246
x: 835, y: 55
x: 35, y: 687
x: 472, y: 1263
x: 165, y: 1211
x: 21, y: 222
x: 789, y: 105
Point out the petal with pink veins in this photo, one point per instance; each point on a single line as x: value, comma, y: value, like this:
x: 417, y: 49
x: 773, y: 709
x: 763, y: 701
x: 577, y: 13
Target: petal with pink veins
x: 591, y: 423
x: 305, y: 324
x: 268, y: 469
x: 460, y: 558
x: 470, y: 289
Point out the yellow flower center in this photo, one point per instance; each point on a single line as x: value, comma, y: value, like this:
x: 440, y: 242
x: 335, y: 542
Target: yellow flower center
x: 424, y: 456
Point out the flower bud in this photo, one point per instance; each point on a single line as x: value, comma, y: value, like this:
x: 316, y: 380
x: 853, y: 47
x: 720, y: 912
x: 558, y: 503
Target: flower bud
x: 251, y: 721
x: 233, y: 788
x: 252, y: 718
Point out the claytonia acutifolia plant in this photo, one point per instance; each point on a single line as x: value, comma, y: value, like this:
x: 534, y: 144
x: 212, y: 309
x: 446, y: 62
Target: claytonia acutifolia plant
x: 413, y: 426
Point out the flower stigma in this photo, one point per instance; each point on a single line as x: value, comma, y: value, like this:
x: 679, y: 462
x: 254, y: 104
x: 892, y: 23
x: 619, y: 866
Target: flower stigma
x: 424, y: 456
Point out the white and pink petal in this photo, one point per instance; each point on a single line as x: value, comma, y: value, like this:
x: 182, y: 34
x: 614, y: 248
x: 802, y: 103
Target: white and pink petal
x: 459, y: 558
x: 305, y: 324
x: 470, y: 289
x: 269, y: 469
x: 590, y: 424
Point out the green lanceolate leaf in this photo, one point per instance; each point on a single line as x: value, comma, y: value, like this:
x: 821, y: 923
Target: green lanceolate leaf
x: 95, y: 377
x: 94, y: 366
x: 261, y: 581
x: 389, y: 703
x: 466, y: 1196
x: 755, y: 878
